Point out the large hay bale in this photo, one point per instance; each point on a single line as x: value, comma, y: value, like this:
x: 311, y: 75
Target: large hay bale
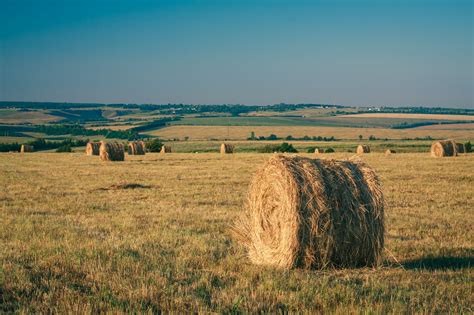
x: 390, y: 151
x: 460, y: 147
x: 111, y: 151
x: 227, y: 148
x: 93, y: 148
x: 313, y: 213
x: 136, y: 148
x: 362, y: 148
x: 165, y: 149
x: 318, y: 151
x: 444, y: 148
x: 26, y: 148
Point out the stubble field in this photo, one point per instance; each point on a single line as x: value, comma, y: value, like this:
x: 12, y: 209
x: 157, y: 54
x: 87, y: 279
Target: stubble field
x: 152, y: 233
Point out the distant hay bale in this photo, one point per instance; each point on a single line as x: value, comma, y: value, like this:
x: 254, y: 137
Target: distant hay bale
x: 313, y: 213
x: 136, y: 148
x: 93, y: 148
x: 26, y: 148
x: 111, y: 151
x: 165, y: 149
x: 318, y: 151
x: 444, y: 148
x: 460, y: 147
x: 227, y: 148
x: 390, y: 151
x: 362, y: 148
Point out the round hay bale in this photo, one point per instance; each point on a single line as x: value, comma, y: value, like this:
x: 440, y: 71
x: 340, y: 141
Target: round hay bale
x: 390, y: 151
x: 25, y: 148
x: 93, y: 148
x: 318, y: 151
x: 136, y: 148
x: 111, y: 151
x: 460, y: 147
x: 165, y: 149
x: 313, y: 213
x: 362, y: 148
x: 444, y: 148
x: 227, y: 148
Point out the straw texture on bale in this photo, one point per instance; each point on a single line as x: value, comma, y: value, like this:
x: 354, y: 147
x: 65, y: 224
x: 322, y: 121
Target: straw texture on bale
x: 390, y: 151
x: 313, y: 213
x: 460, y: 147
x: 111, y: 151
x: 227, y: 148
x: 136, y: 148
x: 361, y: 149
x: 318, y: 151
x: 165, y: 149
x: 26, y: 148
x: 93, y: 148
x: 444, y: 148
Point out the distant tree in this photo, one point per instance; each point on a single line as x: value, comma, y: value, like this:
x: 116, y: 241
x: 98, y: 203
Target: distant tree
x: 289, y: 137
x: 154, y: 145
x: 284, y: 147
x: 252, y: 135
x: 361, y: 137
x: 329, y: 150
x: 306, y: 138
x: 468, y: 146
x: 371, y: 138
x: 64, y: 148
x: 272, y: 137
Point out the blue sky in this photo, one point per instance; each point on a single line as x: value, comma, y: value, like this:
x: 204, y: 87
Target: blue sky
x: 397, y: 53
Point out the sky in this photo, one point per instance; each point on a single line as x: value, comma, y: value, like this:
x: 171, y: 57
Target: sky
x: 352, y: 52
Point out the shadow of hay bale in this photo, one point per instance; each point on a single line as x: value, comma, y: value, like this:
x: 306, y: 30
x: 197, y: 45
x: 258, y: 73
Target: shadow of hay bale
x: 126, y: 186
x: 440, y: 263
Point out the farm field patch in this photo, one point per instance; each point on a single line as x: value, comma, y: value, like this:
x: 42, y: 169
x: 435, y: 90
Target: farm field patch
x: 243, y: 132
x: 411, y: 116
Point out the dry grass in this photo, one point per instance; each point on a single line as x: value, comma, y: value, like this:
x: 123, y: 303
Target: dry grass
x: 66, y: 245
x: 243, y: 132
x: 412, y: 116
x: 313, y: 213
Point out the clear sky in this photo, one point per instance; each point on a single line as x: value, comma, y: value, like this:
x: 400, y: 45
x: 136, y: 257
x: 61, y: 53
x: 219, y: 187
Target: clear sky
x: 372, y: 52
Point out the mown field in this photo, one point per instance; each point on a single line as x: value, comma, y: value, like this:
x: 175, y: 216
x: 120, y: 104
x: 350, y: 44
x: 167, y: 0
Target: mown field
x: 301, y: 146
x: 152, y: 233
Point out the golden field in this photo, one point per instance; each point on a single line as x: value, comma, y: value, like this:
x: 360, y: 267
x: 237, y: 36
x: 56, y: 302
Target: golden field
x: 152, y: 233
x: 8, y: 116
x: 243, y: 132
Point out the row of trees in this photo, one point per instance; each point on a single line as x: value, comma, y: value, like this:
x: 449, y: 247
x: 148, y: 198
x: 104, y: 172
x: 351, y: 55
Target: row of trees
x: 290, y: 137
x: 42, y: 144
